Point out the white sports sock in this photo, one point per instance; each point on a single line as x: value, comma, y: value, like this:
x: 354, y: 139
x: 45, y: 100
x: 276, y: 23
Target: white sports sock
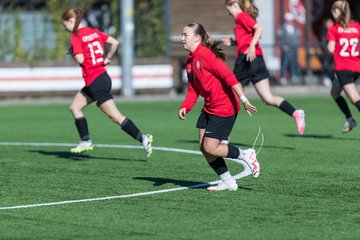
x: 241, y: 153
x: 226, y: 176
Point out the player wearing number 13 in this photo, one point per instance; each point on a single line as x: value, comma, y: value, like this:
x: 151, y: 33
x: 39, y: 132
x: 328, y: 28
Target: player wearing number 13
x: 88, y: 51
x: 343, y: 39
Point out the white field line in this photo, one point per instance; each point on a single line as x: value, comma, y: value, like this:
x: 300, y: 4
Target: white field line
x: 238, y: 176
x: 111, y: 197
x: 34, y: 144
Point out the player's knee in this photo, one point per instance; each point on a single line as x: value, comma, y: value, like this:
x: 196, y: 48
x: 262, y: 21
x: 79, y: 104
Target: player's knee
x: 72, y: 109
x: 207, y: 148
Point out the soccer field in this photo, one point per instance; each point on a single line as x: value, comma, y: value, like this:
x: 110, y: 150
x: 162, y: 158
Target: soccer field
x: 308, y: 187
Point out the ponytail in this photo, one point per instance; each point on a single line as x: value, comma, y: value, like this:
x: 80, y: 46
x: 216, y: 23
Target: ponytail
x: 78, y: 18
x: 345, y: 12
x: 207, y: 41
x: 73, y: 13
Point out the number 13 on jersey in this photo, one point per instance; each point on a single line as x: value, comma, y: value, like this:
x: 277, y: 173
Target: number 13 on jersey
x: 96, y: 52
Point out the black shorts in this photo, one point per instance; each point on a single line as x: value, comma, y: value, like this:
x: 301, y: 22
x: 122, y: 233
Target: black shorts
x: 99, y: 90
x: 246, y: 71
x: 215, y: 126
x: 346, y: 77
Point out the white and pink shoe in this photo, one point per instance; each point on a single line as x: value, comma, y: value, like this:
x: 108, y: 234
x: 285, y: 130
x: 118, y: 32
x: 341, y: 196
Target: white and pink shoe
x: 249, y: 157
x: 299, y: 116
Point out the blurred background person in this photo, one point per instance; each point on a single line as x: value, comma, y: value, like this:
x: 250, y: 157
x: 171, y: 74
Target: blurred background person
x: 326, y: 58
x: 289, y: 40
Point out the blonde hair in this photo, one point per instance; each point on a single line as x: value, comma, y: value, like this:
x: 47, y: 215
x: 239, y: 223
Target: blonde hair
x: 207, y: 41
x: 73, y: 13
x: 345, y: 12
x: 245, y: 5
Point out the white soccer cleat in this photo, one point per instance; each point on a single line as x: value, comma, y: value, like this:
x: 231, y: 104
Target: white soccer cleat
x: 249, y: 157
x: 224, y: 185
x: 83, y: 146
x: 349, y: 125
x: 147, y: 140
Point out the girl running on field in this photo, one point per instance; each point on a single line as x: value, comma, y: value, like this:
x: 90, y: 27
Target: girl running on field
x: 336, y: 89
x: 87, y: 46
x: 250, y: 65
x: 343, y: 43
x: 209, y: 77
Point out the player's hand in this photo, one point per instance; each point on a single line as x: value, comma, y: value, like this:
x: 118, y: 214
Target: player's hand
x: 249, y: 107
x: 182, y: 113
x: 70, y: 51
x: 107, y: 61
x: 250, y: 54
x: 226, y: 41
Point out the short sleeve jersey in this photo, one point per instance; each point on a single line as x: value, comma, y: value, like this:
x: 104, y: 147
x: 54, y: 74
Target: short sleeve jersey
x: 90, y: 42
x: 346, y: 53
x: 244, y: 32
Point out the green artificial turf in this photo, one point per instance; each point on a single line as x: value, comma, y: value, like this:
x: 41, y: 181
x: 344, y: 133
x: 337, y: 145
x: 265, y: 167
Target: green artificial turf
x: 308, y: 187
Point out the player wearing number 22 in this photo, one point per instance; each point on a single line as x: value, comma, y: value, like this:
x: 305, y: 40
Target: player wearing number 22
x: 343, y: 42
x: 88, y: 51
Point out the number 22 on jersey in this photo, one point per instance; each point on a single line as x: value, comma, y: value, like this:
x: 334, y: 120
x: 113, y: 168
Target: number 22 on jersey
x: 96, y: 52
x: 349, y: 43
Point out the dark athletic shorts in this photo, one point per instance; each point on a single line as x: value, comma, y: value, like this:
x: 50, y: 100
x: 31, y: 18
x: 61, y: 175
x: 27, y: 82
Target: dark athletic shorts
x: 99, y: 90
x: 246, y: 71
x: 215, y: 126
x: 346, y: 77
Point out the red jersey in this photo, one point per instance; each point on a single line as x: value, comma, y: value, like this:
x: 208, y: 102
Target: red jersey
x: 210, y: 78
x: 244, y: 32
x: 346, y: 53
x: 90, y: 42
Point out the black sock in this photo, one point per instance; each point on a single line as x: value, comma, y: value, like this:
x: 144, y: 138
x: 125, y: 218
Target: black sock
x: 129, y: 127
x: 340, y: 101
x: 233, y: 152
x: 82, y: 127
x: 219, y: 166
x: 286, y: 107
x: 357, y: 104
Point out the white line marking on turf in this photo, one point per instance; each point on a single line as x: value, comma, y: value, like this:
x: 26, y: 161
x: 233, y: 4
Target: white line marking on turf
x: 111, y: 197
x: 238, y: 176
x: 34, y: 144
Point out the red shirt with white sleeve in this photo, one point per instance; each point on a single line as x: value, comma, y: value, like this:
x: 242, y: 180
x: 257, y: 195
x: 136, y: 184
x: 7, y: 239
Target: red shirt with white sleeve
x: 90, y: 42
x: 346, y: 53
x: 244, y: 32
x: 210, y: 78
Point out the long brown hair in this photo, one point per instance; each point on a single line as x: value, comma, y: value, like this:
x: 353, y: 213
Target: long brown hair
x: 207, y: 41
x: 245, y: 5
x: 76, y: 13
x: 345, y: 12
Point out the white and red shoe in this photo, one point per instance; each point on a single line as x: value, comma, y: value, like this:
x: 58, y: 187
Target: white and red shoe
x: 299, y: 116
x: 249, y: 157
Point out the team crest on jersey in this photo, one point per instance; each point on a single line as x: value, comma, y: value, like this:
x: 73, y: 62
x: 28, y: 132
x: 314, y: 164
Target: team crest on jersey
x: 189, y: 73
x: 198, y: 64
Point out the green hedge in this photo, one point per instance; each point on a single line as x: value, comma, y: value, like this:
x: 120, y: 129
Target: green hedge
x: 150, y: 34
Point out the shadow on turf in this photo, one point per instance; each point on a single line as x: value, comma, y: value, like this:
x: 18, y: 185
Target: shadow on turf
x: 162, y: 181
x: 79, y: 157
x: 318, y: 136
x: 243, y: 145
